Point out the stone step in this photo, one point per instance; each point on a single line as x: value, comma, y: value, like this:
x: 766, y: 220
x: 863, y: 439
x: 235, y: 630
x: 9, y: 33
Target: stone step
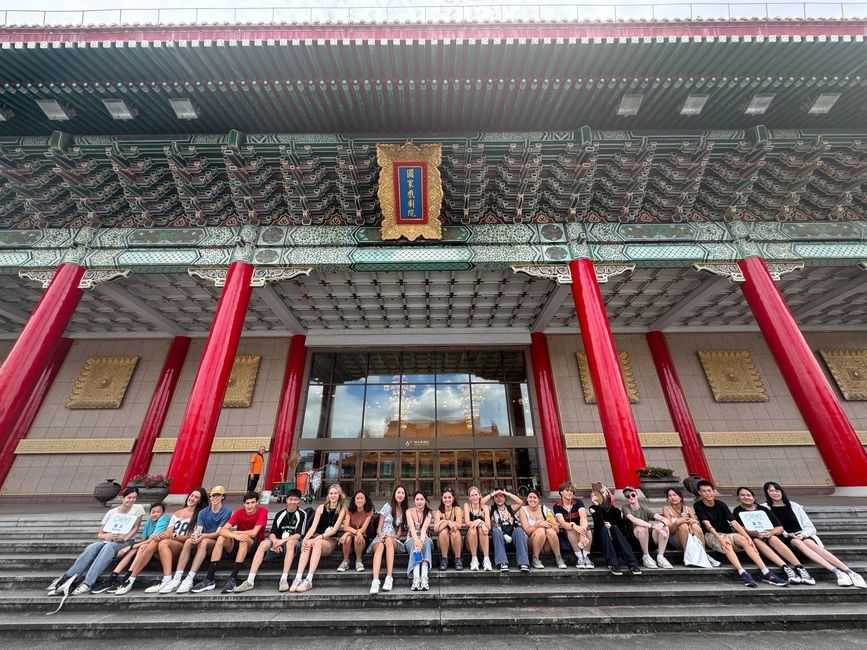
x: 215, y: 622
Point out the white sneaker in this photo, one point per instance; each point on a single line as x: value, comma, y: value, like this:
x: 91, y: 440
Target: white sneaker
x: 83, y: 588
x: 155, y: 589
x: 560, y: 563
x: 170, y: 586
x: 537, y: 563
x: 416, y: 584
x: 648, y: 562
x: 374, y: 586
x: 424, y: 584
x: 359, y: 566
x: 343, y: 566
x: 486, y: 564
x: 388, y: 584
x: 474, y: 564
x: 843, y: 579
x: 858, y: 581
x: 662, y: 563
x: 55, y: 584
x: 587, y: 563
x: 186, y: 585
x: 124, y: 588
x: 713, y: 562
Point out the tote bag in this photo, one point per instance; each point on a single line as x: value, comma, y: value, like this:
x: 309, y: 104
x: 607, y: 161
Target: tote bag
x: 694, y: 553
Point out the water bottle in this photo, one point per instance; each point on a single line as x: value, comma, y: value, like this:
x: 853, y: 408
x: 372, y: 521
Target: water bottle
x: 416, y: 555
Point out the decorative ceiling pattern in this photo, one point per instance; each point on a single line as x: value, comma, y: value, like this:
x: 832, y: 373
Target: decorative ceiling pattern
x: 65, y: 181
x: 645, y: 299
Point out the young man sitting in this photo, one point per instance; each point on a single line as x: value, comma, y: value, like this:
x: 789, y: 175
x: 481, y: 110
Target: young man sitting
x: 200, y: 543
x: 286, y: 531
x: 249, y: 528
x: 724, y: 534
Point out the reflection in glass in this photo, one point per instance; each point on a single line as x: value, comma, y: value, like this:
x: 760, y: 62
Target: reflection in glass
x: 315, y: 413
x: 418, y: 367
x: 417, y: 411
x: 386, y: 464
x: 490, y: 410
x: 350, y: 368
x: 381, y: 411
x: 384, y: 368
x: 425, y: 464
x: 453, y: 367
x: 369, y: 464
x: 346, y: 411
x: 522, y: 422
x: 487, y: 366
x: 486, y: 463
x: 454, y: 415
x: 447, y: 464
x: 465, y: 464
x: 513, y: 366
x: 407, y: 466
x: 503, y: 464
x: 320, y: 371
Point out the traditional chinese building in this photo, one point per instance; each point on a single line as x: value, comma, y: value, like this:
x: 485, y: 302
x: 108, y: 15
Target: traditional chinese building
x: 441, y: 254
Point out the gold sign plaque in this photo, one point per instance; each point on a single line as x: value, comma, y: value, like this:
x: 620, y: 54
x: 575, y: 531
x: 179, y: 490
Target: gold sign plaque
x: 102, y: 383
x: 242, y: 381
x: 410, y: 190
x: 732, y: 375
x: 587, y: 382
x: 849, y: 369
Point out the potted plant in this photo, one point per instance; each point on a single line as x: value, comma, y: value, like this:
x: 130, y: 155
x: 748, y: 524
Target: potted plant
x: 152, y: 488
x: 653, y: 481
x: 106, y: 491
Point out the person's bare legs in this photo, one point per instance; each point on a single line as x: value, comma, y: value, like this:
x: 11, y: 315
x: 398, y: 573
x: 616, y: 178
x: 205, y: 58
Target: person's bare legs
x: 473, y: 541
x: 660, y: 536
x: 641, y: 534
x: 819, y: 555
x: 768, y: 552
x: 359, y: 544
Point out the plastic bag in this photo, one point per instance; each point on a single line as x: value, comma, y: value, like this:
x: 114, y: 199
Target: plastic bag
x: 694, y: 553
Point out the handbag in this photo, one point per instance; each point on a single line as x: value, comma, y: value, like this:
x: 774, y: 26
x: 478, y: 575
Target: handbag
x: 694, y: 553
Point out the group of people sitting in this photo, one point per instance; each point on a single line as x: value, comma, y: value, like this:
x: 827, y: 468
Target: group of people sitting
x: 205, y: 529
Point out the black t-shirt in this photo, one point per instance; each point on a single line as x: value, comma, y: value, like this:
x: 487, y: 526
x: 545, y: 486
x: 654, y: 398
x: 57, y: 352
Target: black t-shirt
x: 718, y: 515
x: 571, y: 515
x: 774, y: 521
x: 289, y: 523
x: 786, y: 516
x: 612, y: 515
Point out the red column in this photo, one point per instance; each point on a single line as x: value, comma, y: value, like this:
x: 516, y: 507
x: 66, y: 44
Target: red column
x: 832, y: 432
x: 287, y: 412
x: 690, y: 444
x: 618, y: 425
x: 190, y: 459
x: 31, y: 408
x: 549, y: 415
x: 27, y: 360
x: 158, y: 409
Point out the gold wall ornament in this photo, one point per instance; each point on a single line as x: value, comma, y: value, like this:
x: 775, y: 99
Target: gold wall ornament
x: 102, y: 383
x: 848, y: 367
x: 242, y: 381
x: 226, y: 444
x: 587, y: 381
x: 75, y: 446
x: 597, y: 440
x: 733, y: 376
x: 410, y: 190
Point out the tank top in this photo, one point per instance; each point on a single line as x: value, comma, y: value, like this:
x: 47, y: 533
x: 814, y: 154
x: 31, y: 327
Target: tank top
x: 477, y: 517
x: 327, y: 520
x: 357, y: 518
x: 412, y: 519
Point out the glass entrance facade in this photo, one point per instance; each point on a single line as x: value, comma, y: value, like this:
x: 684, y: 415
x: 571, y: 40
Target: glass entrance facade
x: 427, y: 420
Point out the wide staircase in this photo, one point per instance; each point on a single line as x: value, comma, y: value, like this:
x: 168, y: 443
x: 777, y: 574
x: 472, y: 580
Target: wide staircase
x: 36, y: 548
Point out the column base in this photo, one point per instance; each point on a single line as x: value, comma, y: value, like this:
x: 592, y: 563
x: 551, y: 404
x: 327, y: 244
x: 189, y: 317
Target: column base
x: 854, y: 491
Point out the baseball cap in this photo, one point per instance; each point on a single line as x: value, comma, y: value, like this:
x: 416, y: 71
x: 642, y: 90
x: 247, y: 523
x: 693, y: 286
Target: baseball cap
x: 218, y: 489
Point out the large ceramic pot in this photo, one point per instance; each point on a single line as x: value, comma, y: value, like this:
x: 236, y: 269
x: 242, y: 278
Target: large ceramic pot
x: 106, y: 491
x: 654, y: 488
x: 149, y: 495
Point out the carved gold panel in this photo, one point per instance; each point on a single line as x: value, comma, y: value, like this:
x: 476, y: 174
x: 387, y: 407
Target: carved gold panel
x: 422, y: 218
x: 228, y: 444
x: 732, y: 375
x: 75, y: 446
x: 242, y: 381
x: 597, y: 440
x: 849, y: 369
x: 102, y: 383
x: 587, y: 382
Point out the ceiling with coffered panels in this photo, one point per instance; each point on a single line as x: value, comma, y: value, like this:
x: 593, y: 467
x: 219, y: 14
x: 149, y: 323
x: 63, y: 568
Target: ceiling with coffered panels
x: 648, y: 298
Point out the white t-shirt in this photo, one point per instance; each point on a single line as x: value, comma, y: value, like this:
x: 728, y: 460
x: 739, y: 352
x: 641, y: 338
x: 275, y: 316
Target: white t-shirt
x: 120, y: 523
x: 179, y: 526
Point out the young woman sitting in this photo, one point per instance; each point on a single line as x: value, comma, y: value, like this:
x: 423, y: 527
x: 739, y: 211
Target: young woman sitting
x: 765, y: 530
x: 358, y: 516
x: 800, y: 533
x: 321, y: 539
x: 538, y: 523
x: 387, y: 540
x: 418, y: 544
x: 447, y: 527
x: 478, y: 518
x: 506, y: 529
x: 682, y: 521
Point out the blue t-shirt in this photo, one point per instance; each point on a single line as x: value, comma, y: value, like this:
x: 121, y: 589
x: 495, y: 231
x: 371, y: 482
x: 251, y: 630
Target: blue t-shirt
x: 210, y: 521
x: 155, y: 527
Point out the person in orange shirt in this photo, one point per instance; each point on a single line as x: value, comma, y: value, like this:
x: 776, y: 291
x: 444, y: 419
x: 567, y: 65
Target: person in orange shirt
x: 257, y: 460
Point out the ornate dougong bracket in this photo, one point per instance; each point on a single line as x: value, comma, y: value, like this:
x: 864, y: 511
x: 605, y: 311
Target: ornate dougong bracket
x: 260, y: 276
x: 562, y: 275
x: 733, y: 272
x: 88, y: 280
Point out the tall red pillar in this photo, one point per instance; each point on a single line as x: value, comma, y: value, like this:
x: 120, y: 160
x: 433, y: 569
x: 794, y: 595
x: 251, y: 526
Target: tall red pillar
x: 31, y: 408
x: 190, y: 459
x: 158, y: 409
x: 549, y: 415
x: 678, y: 408
x: 287, y: 412
x: 618, y: 425
x: 27, y: 360
x: 836, y: 440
